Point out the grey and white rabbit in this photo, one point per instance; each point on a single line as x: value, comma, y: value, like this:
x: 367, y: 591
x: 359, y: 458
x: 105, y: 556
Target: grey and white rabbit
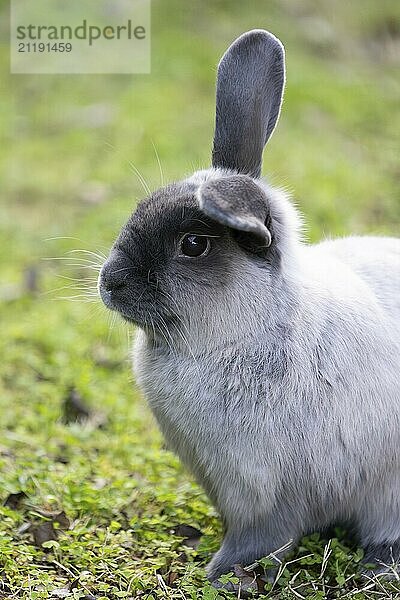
x: 272, y: 366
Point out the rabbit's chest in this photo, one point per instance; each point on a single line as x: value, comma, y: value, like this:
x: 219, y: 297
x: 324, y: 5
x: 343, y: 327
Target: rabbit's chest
x: 204, y: 405
x: 218, y: 417
x: 183, y: 394
x: 202, y: 393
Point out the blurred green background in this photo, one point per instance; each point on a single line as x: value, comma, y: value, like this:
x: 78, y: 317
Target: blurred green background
x: 70, y: 151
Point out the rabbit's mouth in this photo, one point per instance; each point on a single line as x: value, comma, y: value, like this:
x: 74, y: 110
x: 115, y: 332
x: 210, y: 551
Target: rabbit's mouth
x: 109, y: 295
x: 136, y: 311
x: 109, y: 299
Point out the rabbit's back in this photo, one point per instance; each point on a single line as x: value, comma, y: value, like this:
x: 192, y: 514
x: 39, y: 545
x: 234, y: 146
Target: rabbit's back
x: 375, y: 260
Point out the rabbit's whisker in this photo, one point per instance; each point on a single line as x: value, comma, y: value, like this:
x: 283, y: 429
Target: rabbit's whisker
x: 135, y: 170
x: 77, y: 298
x: 78, y: 279
x: 168, y: 340
x: 159, y: 164
x: 120, y: 270
x: 65, y: 237
x: 98, y: 255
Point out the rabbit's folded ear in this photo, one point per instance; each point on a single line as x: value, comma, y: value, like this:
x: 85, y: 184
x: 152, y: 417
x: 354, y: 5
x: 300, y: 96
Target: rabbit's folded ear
x: 251, y: 78
x: 239, y: 203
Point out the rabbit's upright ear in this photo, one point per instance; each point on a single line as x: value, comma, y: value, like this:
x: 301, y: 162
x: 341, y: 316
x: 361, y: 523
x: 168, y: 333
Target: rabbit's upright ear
x: 250, y: 83
x: 239, y: 203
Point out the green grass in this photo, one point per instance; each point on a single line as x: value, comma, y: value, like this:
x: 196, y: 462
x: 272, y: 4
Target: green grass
x: 67, y: 185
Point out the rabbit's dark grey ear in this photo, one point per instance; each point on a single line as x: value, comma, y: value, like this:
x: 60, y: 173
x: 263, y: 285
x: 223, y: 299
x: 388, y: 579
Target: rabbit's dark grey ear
x: 239, y: 203
x: 251, y: 78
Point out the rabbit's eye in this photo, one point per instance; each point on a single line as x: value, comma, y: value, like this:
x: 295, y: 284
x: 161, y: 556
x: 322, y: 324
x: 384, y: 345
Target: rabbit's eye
x: 192, y: 245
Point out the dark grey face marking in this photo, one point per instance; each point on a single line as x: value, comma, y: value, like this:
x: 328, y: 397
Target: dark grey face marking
x: 169, y: 255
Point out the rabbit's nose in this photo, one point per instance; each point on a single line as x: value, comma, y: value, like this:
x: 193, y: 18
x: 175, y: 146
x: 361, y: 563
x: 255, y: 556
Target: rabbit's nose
x: 113, y: 277
x: 110, y: 282
x: 109, y: 285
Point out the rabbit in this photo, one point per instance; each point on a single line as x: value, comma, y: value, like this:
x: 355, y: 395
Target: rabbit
x: 272, y: 366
